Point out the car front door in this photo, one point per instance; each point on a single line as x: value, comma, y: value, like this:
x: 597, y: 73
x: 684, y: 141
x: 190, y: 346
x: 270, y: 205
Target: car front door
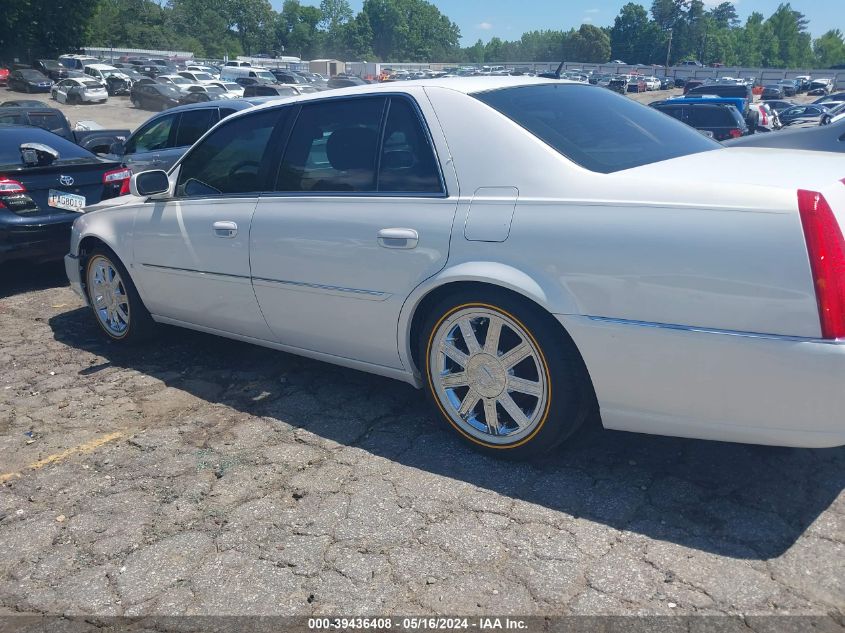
x: 355, y: 224
x: 144, y: 149
x: 191, y: 252
x: 62, y: 90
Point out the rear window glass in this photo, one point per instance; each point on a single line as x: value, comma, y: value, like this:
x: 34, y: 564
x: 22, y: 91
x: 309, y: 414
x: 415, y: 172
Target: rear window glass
x: 597, y: 129
x: 11, y: 140
x: 711, y: 117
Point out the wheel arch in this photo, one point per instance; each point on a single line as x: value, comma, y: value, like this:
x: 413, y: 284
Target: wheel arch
x: 493, y: 275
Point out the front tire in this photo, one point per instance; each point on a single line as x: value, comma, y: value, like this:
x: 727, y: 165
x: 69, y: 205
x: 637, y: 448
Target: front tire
x: 115, y: 302
x: 503, y: 374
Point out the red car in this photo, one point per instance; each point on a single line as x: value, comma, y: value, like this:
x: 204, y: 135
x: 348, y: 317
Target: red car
x: 4, y: 76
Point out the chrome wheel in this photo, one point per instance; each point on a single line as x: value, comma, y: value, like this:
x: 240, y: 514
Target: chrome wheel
x: 489, y: 375
x: 108, y: 296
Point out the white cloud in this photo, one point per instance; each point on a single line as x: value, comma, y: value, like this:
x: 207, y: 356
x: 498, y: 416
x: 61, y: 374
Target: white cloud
x: 592, y: 10
x: 484, y: 26
x: 587, y: 18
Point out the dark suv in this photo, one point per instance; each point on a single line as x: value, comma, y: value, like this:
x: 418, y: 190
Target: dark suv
x: 723, y: 121
x: 265, y: 90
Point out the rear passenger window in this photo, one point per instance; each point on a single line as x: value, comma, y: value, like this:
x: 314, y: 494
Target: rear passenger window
x: 711, y: 117
x: 407, y: 163
x: 193, y: 124
x: 333, y: 147
x: 232, y: 159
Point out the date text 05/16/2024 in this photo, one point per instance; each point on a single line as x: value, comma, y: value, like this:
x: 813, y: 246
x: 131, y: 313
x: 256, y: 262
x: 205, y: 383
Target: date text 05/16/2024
x: 416, y: 624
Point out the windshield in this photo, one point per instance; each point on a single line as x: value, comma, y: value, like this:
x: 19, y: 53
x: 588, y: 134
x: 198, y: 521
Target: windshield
x: 203, y: 76
x: 179, y: 80
x: 596, y: 128
x: 264, y: 74
x: 232, y: 86
x: 168, y: 91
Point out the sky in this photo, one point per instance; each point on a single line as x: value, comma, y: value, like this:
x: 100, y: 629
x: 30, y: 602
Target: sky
x: 484, y: 19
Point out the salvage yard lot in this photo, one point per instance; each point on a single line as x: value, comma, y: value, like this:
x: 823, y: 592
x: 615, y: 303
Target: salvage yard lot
x: 203, y: 476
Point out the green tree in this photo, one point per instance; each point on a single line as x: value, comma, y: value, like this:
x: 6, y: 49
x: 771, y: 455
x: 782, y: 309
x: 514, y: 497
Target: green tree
x: 252, y: 20
x: 588, y: 44
x: 296, y: 30
x: 789, y: 28
x: 756, y: 44
x: 411, y: 30
x: 356, y: 37
x: 829, y: 49
x: 725, y: 16
x: 208, y: 21
x: 335, y: 14
x: 43, y: 28
x: 634, y: 38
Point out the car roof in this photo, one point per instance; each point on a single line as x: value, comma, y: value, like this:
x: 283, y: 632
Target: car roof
x: 234, y: 104
x: 102, y: 66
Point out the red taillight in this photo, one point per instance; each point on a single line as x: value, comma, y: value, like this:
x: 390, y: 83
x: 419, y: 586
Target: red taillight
x: 826, y: 248
x: 118, y: 175
x: 735, y: 133
x: 9, y: 187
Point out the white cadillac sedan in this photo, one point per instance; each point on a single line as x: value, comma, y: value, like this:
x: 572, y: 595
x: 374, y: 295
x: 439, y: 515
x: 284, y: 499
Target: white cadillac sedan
x: 526, y: 250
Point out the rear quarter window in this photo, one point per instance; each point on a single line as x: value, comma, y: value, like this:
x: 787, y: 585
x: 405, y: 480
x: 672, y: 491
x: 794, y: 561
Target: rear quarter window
x: 598, y: 129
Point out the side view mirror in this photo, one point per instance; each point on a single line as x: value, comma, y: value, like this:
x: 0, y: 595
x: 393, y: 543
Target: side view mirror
x: 37, y: 154
x: 149, y: 183
x: 118, y: 148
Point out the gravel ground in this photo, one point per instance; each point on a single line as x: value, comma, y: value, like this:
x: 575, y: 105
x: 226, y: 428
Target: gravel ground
x: 203, y: 476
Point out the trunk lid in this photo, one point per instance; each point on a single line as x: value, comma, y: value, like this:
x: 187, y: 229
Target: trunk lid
x: 77, y: 178
x: 759, y: 179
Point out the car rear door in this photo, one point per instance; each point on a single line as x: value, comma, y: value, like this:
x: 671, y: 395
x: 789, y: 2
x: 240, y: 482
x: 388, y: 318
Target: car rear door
x: 355, y: 224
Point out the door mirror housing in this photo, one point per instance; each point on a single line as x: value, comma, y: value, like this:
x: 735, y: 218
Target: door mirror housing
x: 118, y: 148
x: 154, y: 183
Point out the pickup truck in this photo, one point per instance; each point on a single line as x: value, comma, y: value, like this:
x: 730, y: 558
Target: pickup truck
x: 94, y: 140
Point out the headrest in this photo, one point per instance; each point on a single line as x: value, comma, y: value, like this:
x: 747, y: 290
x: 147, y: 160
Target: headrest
x: 352, y: 148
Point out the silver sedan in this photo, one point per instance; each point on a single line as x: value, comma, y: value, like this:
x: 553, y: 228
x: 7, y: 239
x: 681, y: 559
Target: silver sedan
x: 528, y: 251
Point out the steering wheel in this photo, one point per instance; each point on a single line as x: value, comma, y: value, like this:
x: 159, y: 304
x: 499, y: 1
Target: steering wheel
x: 241, y: 165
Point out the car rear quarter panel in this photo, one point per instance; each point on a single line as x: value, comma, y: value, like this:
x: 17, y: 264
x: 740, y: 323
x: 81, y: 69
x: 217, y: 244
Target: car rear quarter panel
x: 630, y: 246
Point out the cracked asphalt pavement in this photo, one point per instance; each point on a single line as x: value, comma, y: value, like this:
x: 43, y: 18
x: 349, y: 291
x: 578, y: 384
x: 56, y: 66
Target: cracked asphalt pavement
x: 198, y: 475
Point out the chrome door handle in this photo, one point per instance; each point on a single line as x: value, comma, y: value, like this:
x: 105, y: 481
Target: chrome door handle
x: 225, y: 229
x: 398, y: 238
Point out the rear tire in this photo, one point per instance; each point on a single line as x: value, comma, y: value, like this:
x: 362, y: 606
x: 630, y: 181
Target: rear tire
x: 519, y: 390
x: 114, y: 300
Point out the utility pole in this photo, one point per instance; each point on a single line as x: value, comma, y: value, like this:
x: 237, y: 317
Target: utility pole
x: 669, y: 48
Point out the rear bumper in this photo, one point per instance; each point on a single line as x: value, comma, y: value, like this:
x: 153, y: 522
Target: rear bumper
x: 725, y: 386
x: 74, y: 275
x: 36, y: 242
